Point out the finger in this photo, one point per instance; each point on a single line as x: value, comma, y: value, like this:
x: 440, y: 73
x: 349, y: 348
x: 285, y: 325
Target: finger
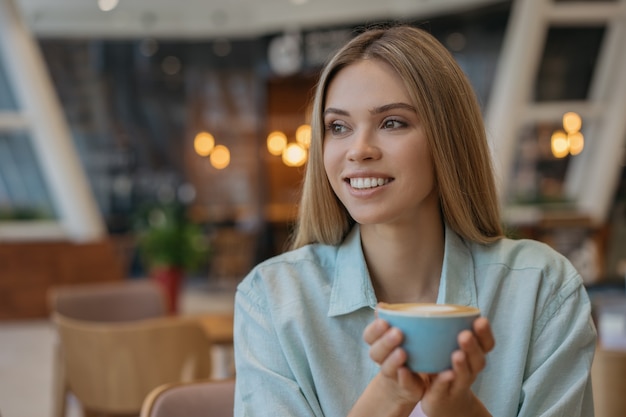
x: 393, y: 363
x: 463, y: 376
x: 375, y: 330
x: 475, y: 356
x: 384, y: 345
x: 484, y: 335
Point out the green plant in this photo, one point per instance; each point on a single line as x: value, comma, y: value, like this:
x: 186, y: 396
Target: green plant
x: 24, y: 213
x: 168, y: 238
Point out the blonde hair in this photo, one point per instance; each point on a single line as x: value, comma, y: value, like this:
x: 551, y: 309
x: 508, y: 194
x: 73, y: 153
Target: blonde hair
x: 452, y: 122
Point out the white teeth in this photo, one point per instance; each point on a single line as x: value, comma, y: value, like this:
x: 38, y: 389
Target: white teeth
x: 361, y: 183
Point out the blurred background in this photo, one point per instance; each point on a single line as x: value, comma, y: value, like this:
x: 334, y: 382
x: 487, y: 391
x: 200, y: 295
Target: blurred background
x: 137, y: 104
x: 121, y: 118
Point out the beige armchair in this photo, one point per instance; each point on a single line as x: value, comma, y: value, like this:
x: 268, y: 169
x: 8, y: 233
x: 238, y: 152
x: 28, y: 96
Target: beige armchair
x: 608, y: 376
x: 110, y: 367
x: 115, y: 344
x: 113, y: 301
x: 209, y: 398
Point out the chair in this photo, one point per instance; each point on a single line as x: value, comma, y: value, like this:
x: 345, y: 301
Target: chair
x: 104, y: 302
x: 113, y: 301
x: 110, y: 367
x: 608, y: 375
x: 208, y: 398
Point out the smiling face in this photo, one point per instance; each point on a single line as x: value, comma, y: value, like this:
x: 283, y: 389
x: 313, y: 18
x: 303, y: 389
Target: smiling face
x: 376, y: 154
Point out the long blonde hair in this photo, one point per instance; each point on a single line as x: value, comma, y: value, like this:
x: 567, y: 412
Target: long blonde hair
x: 452, y: 122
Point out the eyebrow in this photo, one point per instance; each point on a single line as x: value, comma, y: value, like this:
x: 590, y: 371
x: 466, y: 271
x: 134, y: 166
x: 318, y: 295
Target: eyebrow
x: 375, y: 110
x: 393, y: 106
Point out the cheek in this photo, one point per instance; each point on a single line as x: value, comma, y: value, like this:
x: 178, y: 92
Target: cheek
x: 330, y: 160
x: 426, y: 171
x: 332, y: 167
x: 420, y: 164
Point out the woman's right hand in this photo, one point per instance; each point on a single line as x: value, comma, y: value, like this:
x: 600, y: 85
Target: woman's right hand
x: 385, y: 350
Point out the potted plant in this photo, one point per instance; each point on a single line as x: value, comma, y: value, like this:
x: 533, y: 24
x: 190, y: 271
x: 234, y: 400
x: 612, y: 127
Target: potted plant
x: 170, y: 245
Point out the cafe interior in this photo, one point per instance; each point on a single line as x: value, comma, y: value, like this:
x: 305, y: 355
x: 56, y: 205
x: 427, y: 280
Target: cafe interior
x: 151, y: 154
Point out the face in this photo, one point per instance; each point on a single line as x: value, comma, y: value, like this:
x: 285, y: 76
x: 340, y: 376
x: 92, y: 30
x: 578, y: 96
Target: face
x: 376, y: 155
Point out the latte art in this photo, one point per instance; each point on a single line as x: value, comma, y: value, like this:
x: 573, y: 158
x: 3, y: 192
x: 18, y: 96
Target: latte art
x: 429, y: 309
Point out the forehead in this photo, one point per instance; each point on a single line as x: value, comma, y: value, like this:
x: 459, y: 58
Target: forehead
x: 367, y: 83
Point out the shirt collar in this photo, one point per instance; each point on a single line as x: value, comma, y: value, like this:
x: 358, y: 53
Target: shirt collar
x: 457, y: 285
x: 352, y: 287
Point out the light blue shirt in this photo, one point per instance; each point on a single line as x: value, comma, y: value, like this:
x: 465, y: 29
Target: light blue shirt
x: 299, y: 320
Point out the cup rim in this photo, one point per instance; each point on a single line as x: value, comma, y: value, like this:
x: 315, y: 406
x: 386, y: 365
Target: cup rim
x: 383, y: 307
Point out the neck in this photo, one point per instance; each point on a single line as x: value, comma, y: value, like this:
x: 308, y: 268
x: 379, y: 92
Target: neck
x: 404, y: 262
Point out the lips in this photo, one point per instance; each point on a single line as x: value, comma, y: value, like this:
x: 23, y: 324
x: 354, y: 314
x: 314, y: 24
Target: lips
x: 369, y: 182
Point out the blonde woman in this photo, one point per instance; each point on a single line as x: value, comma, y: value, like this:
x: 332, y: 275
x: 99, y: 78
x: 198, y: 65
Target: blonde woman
x: 399, y: 205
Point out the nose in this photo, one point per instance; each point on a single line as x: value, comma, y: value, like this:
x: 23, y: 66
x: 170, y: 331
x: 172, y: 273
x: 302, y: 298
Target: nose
x: 363, y: 147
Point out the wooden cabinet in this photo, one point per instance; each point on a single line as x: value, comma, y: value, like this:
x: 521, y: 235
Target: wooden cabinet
x: 29, y: 269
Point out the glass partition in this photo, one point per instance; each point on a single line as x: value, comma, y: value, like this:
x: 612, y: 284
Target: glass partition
x: 23, y: 191
x: 24, y: 194
x: 7, y: 98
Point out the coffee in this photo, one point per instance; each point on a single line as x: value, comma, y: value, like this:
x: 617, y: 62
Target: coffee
x: 430, y: 331
x: 430, y: 309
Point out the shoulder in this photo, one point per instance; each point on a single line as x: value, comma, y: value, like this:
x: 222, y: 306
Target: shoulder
x: 522, y: 254
x: 309, y: 256
x: 290, y: 273
x: 529, y: 266
x: 531, y: 276
x: 529, y: 272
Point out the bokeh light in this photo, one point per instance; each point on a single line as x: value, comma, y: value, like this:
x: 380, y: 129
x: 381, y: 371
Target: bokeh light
x: 576, y: 143
x: 294, y: 155
x: 572, y: 122
x: 203, y: 143
x: 220, y: 157
x: 303, y: 136
x: 559, y: 144
x: 276, y: 142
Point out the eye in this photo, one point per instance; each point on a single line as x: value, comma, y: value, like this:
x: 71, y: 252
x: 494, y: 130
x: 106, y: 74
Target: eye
x: 393, y: 124
x: 336, y: 128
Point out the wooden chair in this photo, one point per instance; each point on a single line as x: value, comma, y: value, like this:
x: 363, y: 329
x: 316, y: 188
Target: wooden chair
x: 110, y: 367
x: 608, y: 375
x: 209, y: 398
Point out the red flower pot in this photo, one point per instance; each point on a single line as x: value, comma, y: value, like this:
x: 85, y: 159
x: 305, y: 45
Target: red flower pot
x: 170, y: 278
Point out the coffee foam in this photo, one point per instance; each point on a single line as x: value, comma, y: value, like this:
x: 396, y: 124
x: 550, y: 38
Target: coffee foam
x: 429, y: 309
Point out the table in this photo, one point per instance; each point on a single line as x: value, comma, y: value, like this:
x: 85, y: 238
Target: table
x: 219, y: 327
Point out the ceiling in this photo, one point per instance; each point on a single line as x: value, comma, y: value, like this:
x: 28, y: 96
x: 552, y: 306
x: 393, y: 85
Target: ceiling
x: 219, y: 18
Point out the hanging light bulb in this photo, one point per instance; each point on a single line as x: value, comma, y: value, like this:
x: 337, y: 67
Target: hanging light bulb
x: 572, y: 122
x: 220, y: 157
x: 203, y: 143
x: 294, y: 155
x: 303, y: 135
x: 576, y: 143
x: 559, y: 144
x: 276, y: 142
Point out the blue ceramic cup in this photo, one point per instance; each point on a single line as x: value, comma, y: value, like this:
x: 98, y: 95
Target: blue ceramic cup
x: 430, y: 331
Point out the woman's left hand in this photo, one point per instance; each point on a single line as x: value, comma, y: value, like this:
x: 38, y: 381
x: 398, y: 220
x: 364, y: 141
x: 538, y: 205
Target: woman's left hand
x: 449, y: 392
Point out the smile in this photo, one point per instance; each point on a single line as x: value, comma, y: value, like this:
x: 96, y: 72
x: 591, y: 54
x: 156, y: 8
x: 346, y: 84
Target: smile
x: 362, y: 183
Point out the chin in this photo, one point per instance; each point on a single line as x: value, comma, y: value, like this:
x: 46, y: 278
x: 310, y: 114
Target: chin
x: 365, y: 220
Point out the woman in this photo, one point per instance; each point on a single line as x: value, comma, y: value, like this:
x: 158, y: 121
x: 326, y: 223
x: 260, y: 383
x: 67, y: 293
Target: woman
x: 399, y: 205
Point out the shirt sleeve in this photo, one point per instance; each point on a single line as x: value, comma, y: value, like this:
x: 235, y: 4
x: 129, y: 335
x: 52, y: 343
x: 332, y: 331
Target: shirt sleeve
x: 558, y: 381
x: 265, y: 384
